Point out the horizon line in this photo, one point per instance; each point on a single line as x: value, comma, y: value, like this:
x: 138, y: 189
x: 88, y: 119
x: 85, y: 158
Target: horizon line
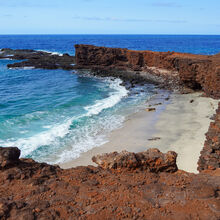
x: 112, y: 34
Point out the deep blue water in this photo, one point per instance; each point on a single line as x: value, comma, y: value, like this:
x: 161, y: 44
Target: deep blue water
x: 54, y: 115
x: 198, y: 44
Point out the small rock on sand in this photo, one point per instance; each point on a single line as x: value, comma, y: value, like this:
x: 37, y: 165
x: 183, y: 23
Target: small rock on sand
x: 150, y: 109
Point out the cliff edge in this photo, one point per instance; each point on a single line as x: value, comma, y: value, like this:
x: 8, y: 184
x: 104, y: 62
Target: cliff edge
x: 192, y: 71
x: 210, y: 155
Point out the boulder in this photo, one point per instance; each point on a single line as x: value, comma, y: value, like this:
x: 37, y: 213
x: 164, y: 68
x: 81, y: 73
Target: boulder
x: 152, y: 160
x: 9, y: 156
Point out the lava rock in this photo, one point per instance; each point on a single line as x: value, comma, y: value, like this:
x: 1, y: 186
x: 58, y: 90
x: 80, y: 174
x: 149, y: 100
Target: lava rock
x: 9, y: 156
x: 210, y: 154
x: 152, y: 160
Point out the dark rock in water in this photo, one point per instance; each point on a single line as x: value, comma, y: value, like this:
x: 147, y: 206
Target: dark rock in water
x: 38, y: 59
x: 210, y: 155
x: 9, y: 156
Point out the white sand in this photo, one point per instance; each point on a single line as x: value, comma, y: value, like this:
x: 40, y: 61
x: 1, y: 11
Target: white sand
x: 180, y: 125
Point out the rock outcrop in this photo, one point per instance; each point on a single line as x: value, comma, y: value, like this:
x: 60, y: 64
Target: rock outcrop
x: 192, y: 71
x: 210, y: 155
x: 9, y: 156
x: 152, y: 160
x: 38, y: 59
x: 31, y: 190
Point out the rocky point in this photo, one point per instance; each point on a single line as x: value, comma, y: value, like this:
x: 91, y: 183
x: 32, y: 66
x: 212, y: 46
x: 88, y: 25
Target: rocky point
x: 38, y: 59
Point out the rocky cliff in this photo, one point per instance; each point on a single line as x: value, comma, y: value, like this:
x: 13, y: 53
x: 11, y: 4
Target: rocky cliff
x: 210, y: 155
x: 193, y: 71
x: 125, y: 185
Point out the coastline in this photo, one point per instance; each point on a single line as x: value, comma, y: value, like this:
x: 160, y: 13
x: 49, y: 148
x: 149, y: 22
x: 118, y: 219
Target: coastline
x: 188, y: 122
x: 182, y: 125
x: 128, y: 185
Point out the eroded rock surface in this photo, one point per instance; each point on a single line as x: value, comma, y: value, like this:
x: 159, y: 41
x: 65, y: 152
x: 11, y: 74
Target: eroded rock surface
x: 170, y: 68
x: 210, y: 155
x: 151, y: 160
x: 31, y: 190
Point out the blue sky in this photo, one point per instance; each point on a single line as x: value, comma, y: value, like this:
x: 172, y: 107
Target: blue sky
x: 110, y: 17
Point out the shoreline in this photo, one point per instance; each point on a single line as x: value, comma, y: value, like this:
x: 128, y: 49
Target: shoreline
x: 128, y: 131
x: 188, y: 122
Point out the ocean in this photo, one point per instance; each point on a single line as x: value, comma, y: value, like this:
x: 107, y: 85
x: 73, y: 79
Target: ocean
x: 54, y: 115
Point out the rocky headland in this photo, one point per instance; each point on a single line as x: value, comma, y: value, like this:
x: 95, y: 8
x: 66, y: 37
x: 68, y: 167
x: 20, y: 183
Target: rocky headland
x: 38, y: 59
x: 179, y: 71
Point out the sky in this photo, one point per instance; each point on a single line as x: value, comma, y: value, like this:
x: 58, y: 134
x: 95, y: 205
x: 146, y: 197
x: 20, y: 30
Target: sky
x: 109, y: 16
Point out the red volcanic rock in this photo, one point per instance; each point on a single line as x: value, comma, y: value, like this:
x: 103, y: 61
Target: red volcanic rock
x: 210, y: 155
x: 193, y: 71
x: 152, y: 160
x: 31, y: 190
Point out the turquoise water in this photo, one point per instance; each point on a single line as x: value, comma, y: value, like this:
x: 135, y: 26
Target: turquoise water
x: 54, y: 115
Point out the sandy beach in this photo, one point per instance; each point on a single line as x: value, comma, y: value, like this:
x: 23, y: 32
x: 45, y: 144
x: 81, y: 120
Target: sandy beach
x: 178, y: 124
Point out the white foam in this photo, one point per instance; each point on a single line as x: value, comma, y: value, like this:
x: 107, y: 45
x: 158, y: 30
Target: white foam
x: 28, y: 145
x: 89, y: 137
x: 56, y: 53
x: 47, y: 126
x: 114, y: 98
x: 28, y: 68
x: 24, y: 132
x: 22, y: 68
x: 52, y: 53
x: 6, y: 59
x: 84, y: 138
